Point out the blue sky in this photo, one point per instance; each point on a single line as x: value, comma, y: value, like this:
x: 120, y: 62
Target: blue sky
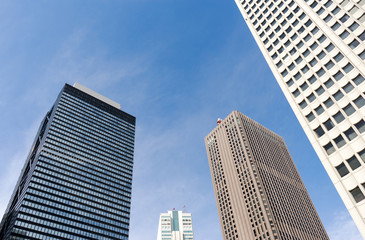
x: 175, y: 65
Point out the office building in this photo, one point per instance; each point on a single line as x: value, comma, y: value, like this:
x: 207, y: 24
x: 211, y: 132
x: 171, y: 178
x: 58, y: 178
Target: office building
x: 175, y: 225
x: 77, y: 179
x: 316, y: 52
x: 259, y: 192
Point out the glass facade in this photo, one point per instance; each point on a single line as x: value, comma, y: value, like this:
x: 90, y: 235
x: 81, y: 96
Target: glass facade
x: 77, y: 179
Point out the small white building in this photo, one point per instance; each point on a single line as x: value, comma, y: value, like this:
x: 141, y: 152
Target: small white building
x: 175, y: 225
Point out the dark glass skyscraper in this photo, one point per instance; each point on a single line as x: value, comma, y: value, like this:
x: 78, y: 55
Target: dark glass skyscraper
x: 77, y: 180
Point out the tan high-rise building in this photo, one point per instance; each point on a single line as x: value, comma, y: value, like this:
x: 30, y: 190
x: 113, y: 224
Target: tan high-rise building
x: 259, y: 192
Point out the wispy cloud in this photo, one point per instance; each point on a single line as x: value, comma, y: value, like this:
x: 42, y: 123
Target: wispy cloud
x: 12, y: 168
x: 343, y: 227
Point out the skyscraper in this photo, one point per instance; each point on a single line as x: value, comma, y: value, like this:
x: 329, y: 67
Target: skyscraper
x: 316, y: 52
x: 77, y: 179
x: 258, y: 190
x: 175, y: 225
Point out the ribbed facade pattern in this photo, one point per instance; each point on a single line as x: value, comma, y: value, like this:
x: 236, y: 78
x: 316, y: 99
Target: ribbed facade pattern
x: 259, y: 192
x: 77, y: 180
x: 316, y: 51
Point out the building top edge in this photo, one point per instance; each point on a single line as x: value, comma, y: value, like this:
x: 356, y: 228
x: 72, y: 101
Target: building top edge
x: 97, y: 95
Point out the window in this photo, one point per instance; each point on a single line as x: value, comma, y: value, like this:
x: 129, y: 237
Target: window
x: 299, y: 60
x: 314, y: 46
x: 312, y: 79
x: 297, y: 76
x: 306, y: 53
x: 360, y: 102
x: 338, y: 95
x: 281, y: 50
x: 279, y: 64
x: 320, y: 11
x: 328, y: 18
x: 342, y: 170
x: 303, y: 104
x: 354, y: 44
x: 348, y: 87
x: 314, y: 31
x: 338, y: 117
x: 328, y: 102
x: 320, y: 90
x: 357, y: 194
x: 304, y: 86
x: 354, y: 26
x: 362, y: 36
x: 287, y: 43
x: 294, y: 36
x: 329, y: 148
x: 314, y: 4
x: 290, y: 82
x: 311, y: 97
x: 353, y: 162
x: 293, y: 51
x: 305, y: 69
x: 321, y: 55
x: 291, y: 66
x: 329, y: 124
x: 313, y: 62
x: 319, y: 110
x: 322, y: 38
x: 362, y: 54
x: 320, y: 72
x: 350, y: 134
x: 344, y: 18
x: 330, y: 47
x: 344, y: 3
x: 358, y: 79
x: 319, y: 131
x: 284, y: 73
x: 360, y: 126
x: 340, y: 142
x: 302, y: 16
x: 307, y: 37
x: 329, y: 83
x: 335, y: 26
x: 308, y: 23
x: 344, y: 34
x: 310, y: 117
x: 362, y: 155
x: 336, y: 10
x: 338, y: 57
x: 296, y: 93
x: 338, y: 76
x: 329, y: 65
x: 349, y: 110
x: 328, y: 3
x: 301, y: 30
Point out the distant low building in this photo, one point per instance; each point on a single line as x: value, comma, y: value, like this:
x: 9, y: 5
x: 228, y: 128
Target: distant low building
x: 175, y: 225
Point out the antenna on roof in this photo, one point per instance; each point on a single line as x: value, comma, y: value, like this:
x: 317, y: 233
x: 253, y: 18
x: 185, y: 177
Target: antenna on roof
x: 219, y: 121
x: 184, y: 209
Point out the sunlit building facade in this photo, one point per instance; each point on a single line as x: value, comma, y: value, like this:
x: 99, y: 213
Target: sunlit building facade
x: 77, y: 179
x: 259, y: 192
x: 316, y: 52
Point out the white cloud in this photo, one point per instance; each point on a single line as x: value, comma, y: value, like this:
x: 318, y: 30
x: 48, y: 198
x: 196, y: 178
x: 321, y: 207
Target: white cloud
x: 343, y: 227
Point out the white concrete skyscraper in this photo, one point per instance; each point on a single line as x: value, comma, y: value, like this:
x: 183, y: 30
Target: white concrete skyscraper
x: 175, y: 225
x: 316, y: 52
